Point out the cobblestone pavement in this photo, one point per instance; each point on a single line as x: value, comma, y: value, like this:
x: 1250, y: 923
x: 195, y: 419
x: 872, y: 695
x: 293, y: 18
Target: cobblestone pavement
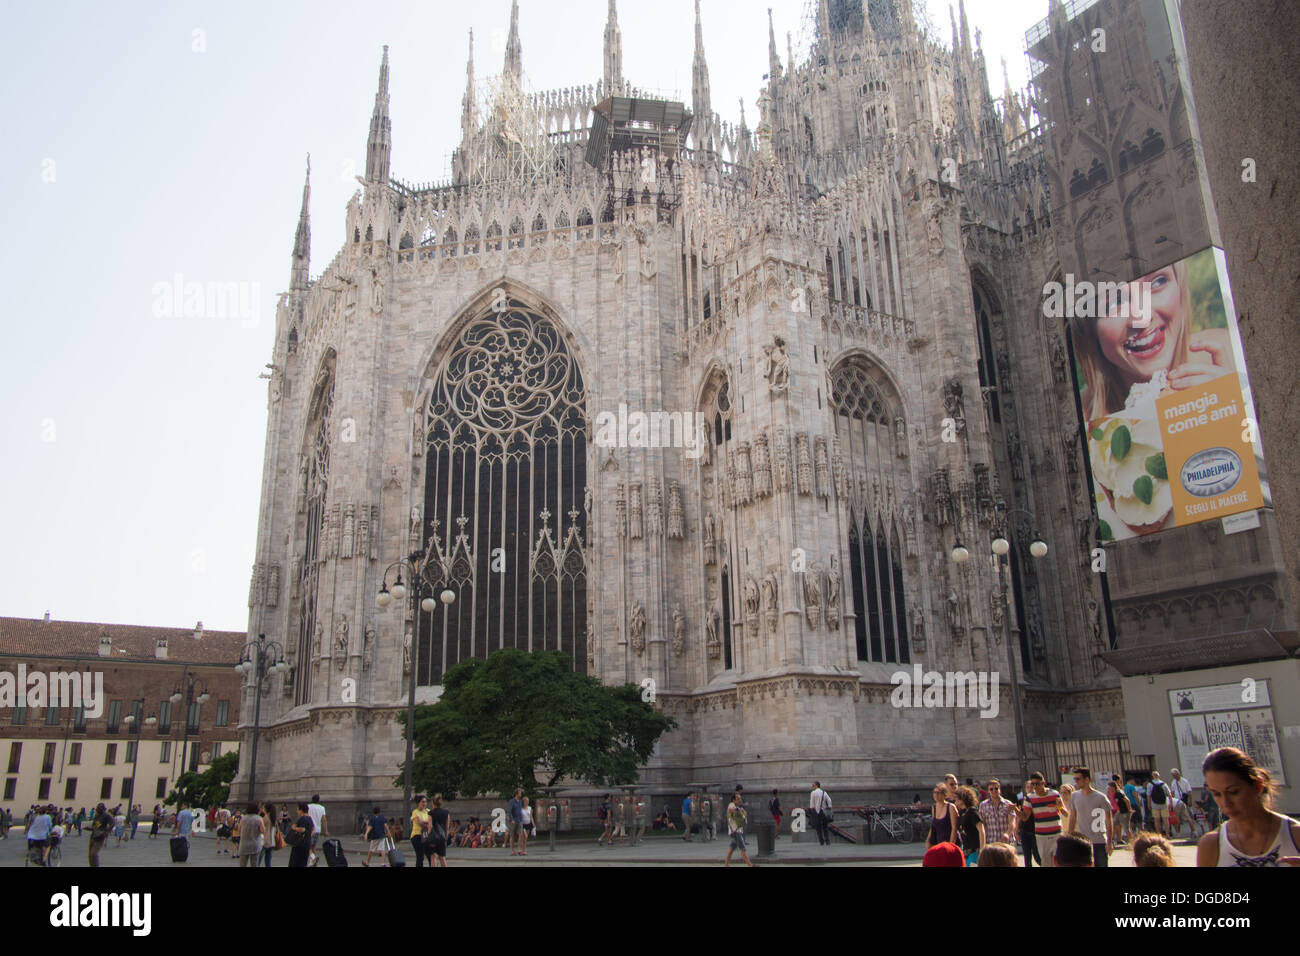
x: 652, y: 851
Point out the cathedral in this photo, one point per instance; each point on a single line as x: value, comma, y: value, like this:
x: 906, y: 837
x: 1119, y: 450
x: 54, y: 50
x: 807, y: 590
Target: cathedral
x: 831, y: 322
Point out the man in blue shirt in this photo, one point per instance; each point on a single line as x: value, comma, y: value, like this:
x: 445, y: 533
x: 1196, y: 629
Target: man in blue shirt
x: 515, y: 821
x: 38, y: 833
x: 686, y: 819
x: 184, y: 822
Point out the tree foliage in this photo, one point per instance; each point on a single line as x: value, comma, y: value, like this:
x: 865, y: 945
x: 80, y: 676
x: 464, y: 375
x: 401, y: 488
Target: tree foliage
x: 527, y: 720
x: 209, y: 788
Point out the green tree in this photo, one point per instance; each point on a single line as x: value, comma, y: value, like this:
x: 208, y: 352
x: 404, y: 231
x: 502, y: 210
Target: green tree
x: 209, y: 788
x: 502, y: 722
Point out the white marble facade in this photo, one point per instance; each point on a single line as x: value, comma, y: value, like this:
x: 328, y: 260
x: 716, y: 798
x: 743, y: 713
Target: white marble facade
x: 809, y: 288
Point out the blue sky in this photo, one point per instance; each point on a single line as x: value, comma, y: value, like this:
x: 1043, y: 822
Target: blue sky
x: 142, y: 150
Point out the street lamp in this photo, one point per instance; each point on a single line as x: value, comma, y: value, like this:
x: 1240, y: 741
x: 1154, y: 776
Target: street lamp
x: 137, y: 707
x: 1000, y: 546
x: 190, y: 681
x: 260, y: 657
x: 425, y: 571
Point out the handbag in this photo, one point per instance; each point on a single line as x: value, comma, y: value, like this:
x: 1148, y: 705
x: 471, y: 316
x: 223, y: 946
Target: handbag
x: 294, y: 837
x: 279, y: 839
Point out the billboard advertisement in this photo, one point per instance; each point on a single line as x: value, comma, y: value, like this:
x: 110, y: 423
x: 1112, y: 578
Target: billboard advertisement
x: 1161, y: 376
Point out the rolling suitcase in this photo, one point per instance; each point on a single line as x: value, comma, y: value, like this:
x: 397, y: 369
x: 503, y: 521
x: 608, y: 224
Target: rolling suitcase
x: 334, y: 853
x: 180, y: 847
x: 395, y: 857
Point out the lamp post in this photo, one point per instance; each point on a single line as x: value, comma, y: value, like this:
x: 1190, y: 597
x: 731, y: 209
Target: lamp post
x: 260, y: 657
x: 1000, y: 546
x: 133, y: 720
x: 190, y: 681
x: 426, y: 573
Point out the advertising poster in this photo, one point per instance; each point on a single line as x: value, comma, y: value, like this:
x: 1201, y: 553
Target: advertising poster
x: 1223, y: 730
x: 1189, y: 735
x: 1260, y: 734
x: 1171, y: 427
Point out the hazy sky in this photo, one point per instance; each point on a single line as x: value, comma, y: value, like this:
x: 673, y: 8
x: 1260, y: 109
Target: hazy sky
x: 154, y: 141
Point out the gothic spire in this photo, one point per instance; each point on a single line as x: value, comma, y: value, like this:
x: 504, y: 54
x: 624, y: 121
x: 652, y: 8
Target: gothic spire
x: 868, y: 32
x: 514, y: 64
x: 298, y: 275
x: 468, y: 105
x: 773, y: 59
x: 823, y: 23
x: 966, y: 48
x: 613, y: 52
x: 700, y: 99
x: 379, y: 146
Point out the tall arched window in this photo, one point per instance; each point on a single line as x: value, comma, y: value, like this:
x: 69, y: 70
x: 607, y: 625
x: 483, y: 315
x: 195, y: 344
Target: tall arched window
x: 988, y: 370
x: 721, y: 559
x: 315, y: 480
x: 867, y: 419
x: 505, y: 493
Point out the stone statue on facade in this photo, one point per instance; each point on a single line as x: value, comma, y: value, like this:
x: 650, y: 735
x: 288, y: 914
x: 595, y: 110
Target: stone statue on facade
x: 636, y: 627
x: 679, y: 630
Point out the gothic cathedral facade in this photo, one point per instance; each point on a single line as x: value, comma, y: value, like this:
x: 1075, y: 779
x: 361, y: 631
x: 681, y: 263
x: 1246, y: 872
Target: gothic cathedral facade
x: 832, y: 323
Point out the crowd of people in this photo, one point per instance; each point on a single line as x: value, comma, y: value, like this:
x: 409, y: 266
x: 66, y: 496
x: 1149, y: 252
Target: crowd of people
x: 46, y: 826
x: 1080, y: 825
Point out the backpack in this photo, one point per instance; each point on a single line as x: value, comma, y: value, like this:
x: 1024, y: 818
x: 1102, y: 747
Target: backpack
x: 1121, y: 800
x: 1158, y: 793
x: 602, y: 812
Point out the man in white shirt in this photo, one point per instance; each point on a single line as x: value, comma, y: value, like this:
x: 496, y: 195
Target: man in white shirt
x: 316, y: 811
x: 817, y: 800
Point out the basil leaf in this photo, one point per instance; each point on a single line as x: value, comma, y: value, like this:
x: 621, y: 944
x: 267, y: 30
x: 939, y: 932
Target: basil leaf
x: 1144, y: 489
x: 1121, y: 443
x: 1103, y: 527
x: 1155, y: 466
x: 1098, y: 434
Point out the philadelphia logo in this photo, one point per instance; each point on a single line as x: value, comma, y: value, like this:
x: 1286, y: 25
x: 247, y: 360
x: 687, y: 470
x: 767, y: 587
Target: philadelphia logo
x: 53, y: 689
x: 1211, y: 472
x: 946, y: 689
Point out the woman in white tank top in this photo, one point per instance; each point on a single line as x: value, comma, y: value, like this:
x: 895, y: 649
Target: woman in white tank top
x: 1253, y: 834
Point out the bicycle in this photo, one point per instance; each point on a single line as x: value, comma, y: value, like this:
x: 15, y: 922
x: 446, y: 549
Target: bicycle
x: 34, y: 855
x: 899, y: 829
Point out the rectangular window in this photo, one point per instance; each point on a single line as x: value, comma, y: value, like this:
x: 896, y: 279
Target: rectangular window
x: 74, y: 757
x: 110, y: 754
x: 47, y: 758
x: 192, y: 724
x: 130, y: 751
x: 106, y: 789
x: 70, y: 789
x: 79, y: 726
x: 51, y: 716
x: 114, y: 716
x: 15, y: 756
x: 165, y: 752
x: 161, y: 790
x: 43, y: 791
x: 137, y: 713
x: 223, y: 713
x: 11, y: 786
x: 216, y: 750
x: 165, y: 717
x: 20, y: 716
x: 126, y: 788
